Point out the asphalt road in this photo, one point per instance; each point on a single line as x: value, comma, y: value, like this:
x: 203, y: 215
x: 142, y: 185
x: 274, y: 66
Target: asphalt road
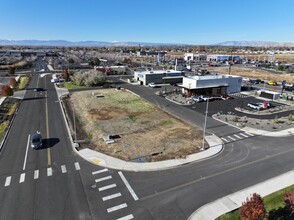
x: 55, y: 183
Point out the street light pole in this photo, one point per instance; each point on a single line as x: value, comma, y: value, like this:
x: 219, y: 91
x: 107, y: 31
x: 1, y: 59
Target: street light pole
x: 204, y: 129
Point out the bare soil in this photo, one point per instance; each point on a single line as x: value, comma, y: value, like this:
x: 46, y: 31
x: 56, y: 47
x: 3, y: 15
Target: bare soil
x: 253, y: 73
x: 141, y: 131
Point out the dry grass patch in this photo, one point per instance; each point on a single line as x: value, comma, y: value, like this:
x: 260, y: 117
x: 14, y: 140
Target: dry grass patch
x: 143, y: 130
x: 253, y: 73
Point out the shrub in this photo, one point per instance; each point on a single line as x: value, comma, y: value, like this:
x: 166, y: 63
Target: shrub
x: 235, y: 118
x: 253, y: 208
x: 6, y: 90
x: 276, y: 120
x: 13, y: 82
x: 290, y: 117
x: 88, y: 78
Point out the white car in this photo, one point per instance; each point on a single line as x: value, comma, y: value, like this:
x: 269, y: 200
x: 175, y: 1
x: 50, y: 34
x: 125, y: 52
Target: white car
x: 256, y: 106
x: 152, y: 85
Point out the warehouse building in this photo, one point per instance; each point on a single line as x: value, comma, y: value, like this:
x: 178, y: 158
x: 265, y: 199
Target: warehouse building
x: 211, y: 84
x: 158, y: 77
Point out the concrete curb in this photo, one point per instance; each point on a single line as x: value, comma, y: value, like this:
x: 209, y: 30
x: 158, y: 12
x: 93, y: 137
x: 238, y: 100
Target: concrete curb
x: 234, y: 200
x: 98, y: 158
x: 215, y: 143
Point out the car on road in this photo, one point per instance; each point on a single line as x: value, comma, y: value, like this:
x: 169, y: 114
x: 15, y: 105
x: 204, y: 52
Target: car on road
x: 36, y: 140
x: 255, y: 106
x: 226, y: 97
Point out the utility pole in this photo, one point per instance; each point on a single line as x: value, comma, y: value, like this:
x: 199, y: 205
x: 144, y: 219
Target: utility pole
x: 204, y: 128
x: 74, y: 120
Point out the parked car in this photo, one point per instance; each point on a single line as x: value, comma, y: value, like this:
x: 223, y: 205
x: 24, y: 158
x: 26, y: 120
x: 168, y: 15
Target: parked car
x: 205, y: 98
x: 255, y: 106
x: 272, y: 83
x: 36, y: 140
x: 153, y: 85
x: 226, y: 97
x: 197, y: 99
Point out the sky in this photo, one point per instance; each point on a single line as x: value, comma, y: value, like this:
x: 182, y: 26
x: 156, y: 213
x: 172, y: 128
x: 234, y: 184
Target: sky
x: 154, y: 21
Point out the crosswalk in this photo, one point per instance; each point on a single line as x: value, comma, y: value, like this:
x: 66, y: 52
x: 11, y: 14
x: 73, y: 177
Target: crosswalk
x: 236, y: 137
x: 36, y: 174
x: 110, y: 193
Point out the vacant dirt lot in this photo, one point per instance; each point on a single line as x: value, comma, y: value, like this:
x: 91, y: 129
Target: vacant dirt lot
x: 253, y: 73
x: 142, y: 132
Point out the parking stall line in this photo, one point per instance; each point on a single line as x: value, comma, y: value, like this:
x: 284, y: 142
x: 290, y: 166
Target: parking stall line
x: 107, y: 187
x: 115, y: 208
x: 128, y: 186
x: 99, y: 171
x: 36, y: 174
x: 7, y: 181
x: 63, y: 169
x: 127, y: 217
x: 244, y: 135
x: 22, y: 178
x: 103, y: 179
x: 111, y: 196
x: 237, y: 136
x: 231, y: 138
x: 49, y: 171
x: 77, y: 165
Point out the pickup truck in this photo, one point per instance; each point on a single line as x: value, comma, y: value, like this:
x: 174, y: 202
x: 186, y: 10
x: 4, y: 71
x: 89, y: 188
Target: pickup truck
x: 153, y: 85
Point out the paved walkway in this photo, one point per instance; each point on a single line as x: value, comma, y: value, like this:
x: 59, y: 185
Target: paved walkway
x: 233, y: 201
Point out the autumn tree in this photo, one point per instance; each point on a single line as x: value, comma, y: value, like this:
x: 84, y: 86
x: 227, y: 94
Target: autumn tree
x: 66, y: 75
x: 289, y: 200
x: 6, y: 90
x: 13, y: 82
x: 253, y: 209
x: 11, y: 70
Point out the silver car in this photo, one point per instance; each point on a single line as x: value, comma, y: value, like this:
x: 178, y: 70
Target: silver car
x: 36, y: 141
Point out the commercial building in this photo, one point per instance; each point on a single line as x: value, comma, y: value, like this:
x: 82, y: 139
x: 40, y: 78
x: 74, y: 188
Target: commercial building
x: 195, y: 57
x: 222, y: 58
x: 158, y: 76
x: 211, y: 84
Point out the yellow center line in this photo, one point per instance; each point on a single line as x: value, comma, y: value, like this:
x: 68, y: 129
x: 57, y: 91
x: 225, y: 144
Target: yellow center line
x: 47, y: 131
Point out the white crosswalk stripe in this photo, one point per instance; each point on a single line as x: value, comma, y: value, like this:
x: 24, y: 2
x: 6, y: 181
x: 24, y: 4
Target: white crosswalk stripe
x: 77, y: 165
x: 127, y: 217
x: 22, y: 178
x: 237, y: 136
x: 244, y: 135
x: 36, y: 174
x: 63, y: 169
x: 115, y: 208
x: 249, y: 134
x: 107, y: 187
x: 99, y: 171
x: 103, y: 179
x: 7, y: 181
x: 49, y: 171
x: 224, y: 139
x: 233, y: 139
x: 111, y: 196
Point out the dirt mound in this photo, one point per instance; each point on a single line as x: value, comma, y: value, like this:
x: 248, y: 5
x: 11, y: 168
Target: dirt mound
x: 106, y: 113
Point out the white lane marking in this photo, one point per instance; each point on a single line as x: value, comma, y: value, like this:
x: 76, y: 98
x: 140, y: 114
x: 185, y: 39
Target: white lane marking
x: 107, y: 187
x: 128, y: 185
x: 224, y: 139
x: 63, y: 169
x: 231, y: 138
x: 49, y: 171
x: 237, y: 136
x: 111, y: 196
x: 244, y: 135
x: 26, y: 154
x: 249, y: 134
x: 22, y: 178
x: 7, y: 181
x: 115, y: 208
x: 77, y: 165
x: 36, y: 174
x: 127, y: 217
x: 103, y: 179
x: 99, y: 171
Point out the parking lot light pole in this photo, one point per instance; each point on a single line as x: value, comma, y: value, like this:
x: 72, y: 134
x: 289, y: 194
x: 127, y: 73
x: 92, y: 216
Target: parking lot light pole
x: 204, y: 128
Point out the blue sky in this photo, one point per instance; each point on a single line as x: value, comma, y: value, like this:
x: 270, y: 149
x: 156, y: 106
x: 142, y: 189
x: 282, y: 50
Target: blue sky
x: 163, y: 21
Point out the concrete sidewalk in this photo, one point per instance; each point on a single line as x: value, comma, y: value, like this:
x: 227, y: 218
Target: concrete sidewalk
x: 233, y: 201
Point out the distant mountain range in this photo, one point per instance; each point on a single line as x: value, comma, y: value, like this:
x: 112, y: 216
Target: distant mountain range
x: 65, y: 43
x: 77, y: 43
x: 255, y: 44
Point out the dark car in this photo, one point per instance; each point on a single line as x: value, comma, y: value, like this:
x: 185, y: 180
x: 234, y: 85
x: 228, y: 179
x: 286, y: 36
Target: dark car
x: 36, y: 141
